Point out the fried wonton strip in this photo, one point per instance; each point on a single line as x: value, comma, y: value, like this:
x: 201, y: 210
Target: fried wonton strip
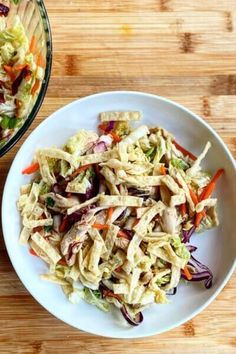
x: 97, y: 158
x: 116, y: 213
x: 136, y: 134
x: 120, y: 116
x: 30, y: 224
x: 141, y: 227
x: 129, y: 201
x: 54, y: 279
x: 78, y: 185
x: 74, y: 272
x: 87, y: 277
x: 128, y: 167
x: 143, y: 181
x: 133, y: 282
x: 47, y: 176
x: 171, y: 184
x: 186, y: 191
x: 25, y: 189
x: 206, y: 203
x: 133, y: 247
x: 167, y: 254
x: 32, y: 199
x: 110, y: 175
x: 137, y: 294
x: 96, y: 252
x: 24, y: 236
x: 122, y: 288
x: 22, y: 201
x: 112, y: 188
x: 123, y: 151
x: 50, y: 251
x: 110, y: 240
x: 58, y: 154
x: 141, y: 211
x: 177, y: 199
x: 95, y: 235
x: 83, y: 205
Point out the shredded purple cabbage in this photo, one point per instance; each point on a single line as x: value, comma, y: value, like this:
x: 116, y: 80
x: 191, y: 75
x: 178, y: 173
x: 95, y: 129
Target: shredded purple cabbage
x: 187, y: 234
x: 172, y: 291
x: 92, y: 191
x: 59, y: 188
x: 139, y: 193
x: 132, y: 321
x: 24, y: 72
x: 4, y: 10
x: 110, y: 126
x: 191, y: 248
x: 201, y: 272
x: 100, y: 147
x: 2, y: 99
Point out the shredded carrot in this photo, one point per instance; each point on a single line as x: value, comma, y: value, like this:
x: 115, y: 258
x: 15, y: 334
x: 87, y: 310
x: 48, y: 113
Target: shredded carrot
x: 187, y: 273
x: 35, y: 87
x: 31, y: 169
x: 9, y: 72
x: 111, y: 294
x: 62, y: 262
x: 109, y: 213
x: 32, y: 46
x: 193, y: 196
x: 217, y: 175
x: 40, y: 61
x: 184, y: 151
x: 79, y: 170
x: 207, y: 192
x: 102, y: 127
x: 183, y: 210
x: 211, y: 186
x: 123, y: 235
x: 19, y: 67
x: 136, y: 221
x: 100, y: 226
x: 162, y: 170
x: 31, y: 251
x: 198, y: 218
x: 115, y: 137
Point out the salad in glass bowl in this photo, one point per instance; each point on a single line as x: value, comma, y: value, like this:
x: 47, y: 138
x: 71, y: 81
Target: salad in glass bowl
x: 22, y: 70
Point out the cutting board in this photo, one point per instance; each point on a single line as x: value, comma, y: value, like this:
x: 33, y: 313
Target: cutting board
x: 182, y: 49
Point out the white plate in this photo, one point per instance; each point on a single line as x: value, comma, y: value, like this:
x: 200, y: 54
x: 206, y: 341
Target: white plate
x: 216, y: 247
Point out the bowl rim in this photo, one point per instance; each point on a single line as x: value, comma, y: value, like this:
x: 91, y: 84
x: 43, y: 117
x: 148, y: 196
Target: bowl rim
x: 43, y: 90
x: 128, y: 334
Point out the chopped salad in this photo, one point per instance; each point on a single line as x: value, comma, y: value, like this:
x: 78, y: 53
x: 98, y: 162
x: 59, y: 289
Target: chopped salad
x: 112, y: 214
x: 21, y: 74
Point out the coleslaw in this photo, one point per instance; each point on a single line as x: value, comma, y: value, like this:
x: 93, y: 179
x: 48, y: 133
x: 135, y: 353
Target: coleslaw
x: 21, y: 74
x: 112, y: 214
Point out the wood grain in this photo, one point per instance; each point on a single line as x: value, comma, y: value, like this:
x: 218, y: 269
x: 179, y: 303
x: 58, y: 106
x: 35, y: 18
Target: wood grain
x: 184, y: 50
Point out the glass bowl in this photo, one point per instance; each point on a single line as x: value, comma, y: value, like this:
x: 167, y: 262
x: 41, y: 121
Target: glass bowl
x: 34, y: 18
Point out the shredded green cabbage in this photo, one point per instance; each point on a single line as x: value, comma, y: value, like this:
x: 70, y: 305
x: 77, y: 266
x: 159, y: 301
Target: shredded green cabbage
x: 94, y: 297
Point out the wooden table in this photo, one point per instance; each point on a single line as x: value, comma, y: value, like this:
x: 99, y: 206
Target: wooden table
x: 182, y: 49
